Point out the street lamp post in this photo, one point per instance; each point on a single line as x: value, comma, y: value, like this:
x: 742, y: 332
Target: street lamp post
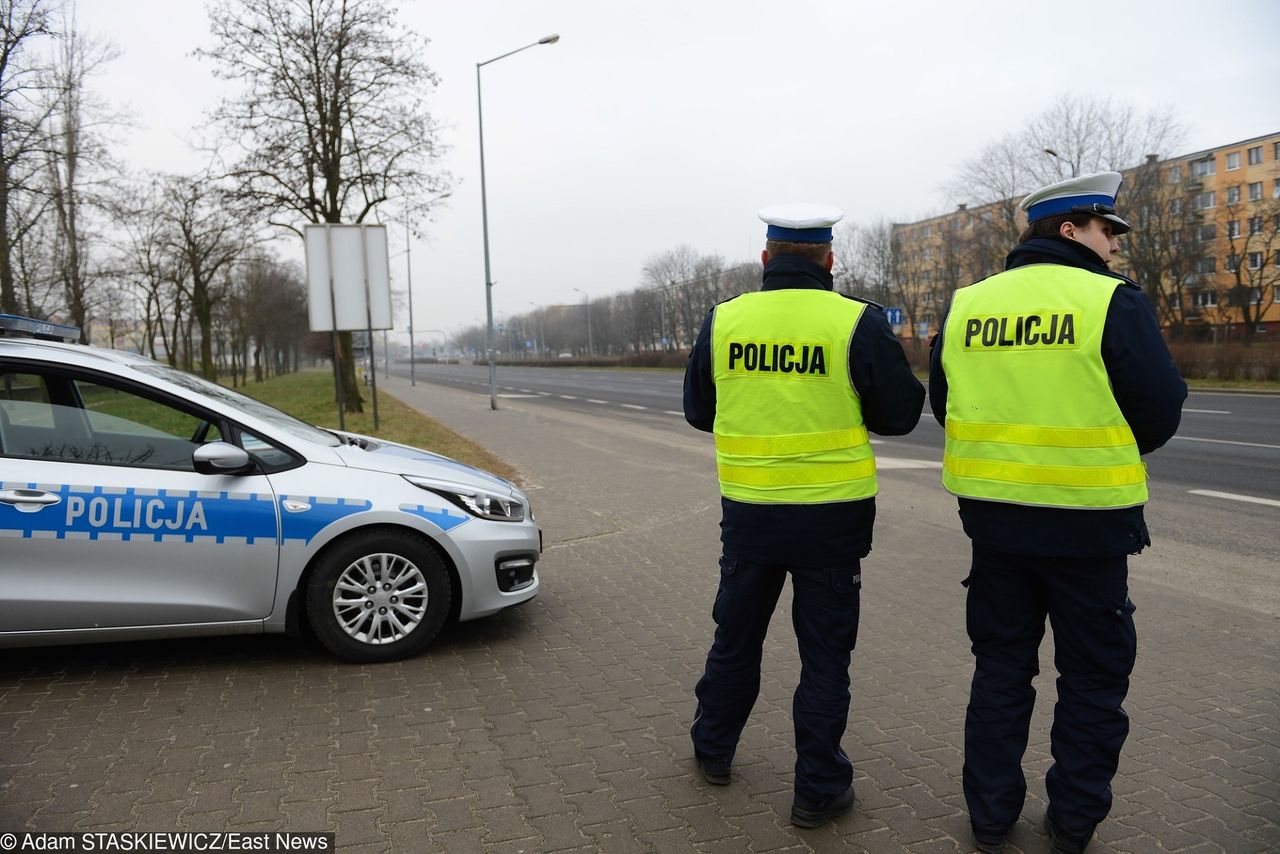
x: 1060, y: 158
x: 484, y: 218
x: 586, y: 304
x: 540, y: 339
x: 408, y: 283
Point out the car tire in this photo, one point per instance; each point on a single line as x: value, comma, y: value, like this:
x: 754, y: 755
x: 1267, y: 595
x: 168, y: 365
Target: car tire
x: 378, y: 596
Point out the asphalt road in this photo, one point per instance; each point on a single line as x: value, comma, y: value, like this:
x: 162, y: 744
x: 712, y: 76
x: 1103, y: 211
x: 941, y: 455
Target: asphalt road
x: 1227, y: 442
x: 1215, y: 487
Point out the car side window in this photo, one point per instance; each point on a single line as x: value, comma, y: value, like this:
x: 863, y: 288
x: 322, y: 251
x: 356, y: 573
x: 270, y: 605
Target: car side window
x: 57, y: 418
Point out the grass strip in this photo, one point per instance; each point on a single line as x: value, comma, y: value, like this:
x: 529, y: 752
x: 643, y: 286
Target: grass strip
x: 308, y: 395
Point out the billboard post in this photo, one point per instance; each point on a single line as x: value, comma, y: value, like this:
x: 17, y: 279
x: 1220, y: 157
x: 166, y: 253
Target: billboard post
x: 348, y: 289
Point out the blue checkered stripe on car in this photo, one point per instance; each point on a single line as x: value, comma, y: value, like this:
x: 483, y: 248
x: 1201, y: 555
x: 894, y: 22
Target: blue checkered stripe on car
x: 442, y: 519
x: 303, y: 526
x: 139, y: 514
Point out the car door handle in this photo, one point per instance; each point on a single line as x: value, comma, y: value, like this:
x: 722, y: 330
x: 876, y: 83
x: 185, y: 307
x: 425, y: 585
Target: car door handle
x: 29, y: 500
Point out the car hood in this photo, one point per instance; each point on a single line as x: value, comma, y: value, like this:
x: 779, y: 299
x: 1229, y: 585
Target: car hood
x: 375, y: 454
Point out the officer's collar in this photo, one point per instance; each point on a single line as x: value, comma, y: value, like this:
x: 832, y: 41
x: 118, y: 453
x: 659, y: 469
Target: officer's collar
x: 1055, y: 250
x: 792, y: 271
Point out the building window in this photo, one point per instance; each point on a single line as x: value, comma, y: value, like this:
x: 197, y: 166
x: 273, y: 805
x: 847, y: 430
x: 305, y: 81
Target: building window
x: 1255, y: 155
x: 1255, y: 191
x: 928, y: 231
x: 1233, y: 229
x: 1208, y: 265
x: 1207, y: 200
x: 1175, y: 205
x: 1205, y: 299
x: 1255, y: 296
x: 1255, y: 261
x: 1200, y: 168
x: 1233, y: 194
x: 1175, y: 174
x: 1208, y: 232
x: 928, y: 299
x: 1275, y: 155
x: 1255, y: 225
x: 1175, y: 300
x: 1275, y: 188
x: 1233, y: 161
x: 1232, y: 264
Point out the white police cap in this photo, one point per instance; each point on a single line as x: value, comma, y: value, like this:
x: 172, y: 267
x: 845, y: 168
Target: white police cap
x: 1092, y: 194
x: 800, y: 222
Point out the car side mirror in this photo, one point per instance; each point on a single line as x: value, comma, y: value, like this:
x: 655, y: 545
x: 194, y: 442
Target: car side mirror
x: 221, y: 458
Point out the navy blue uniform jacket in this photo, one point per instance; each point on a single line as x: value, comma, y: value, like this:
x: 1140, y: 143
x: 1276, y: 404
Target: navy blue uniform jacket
x: 814, y: 535
x: 1148, y: 389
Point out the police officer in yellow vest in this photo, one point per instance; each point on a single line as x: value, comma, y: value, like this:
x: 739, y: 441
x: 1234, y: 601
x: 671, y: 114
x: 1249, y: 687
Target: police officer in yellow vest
x: 1051, y: 379
x: 790, y: 379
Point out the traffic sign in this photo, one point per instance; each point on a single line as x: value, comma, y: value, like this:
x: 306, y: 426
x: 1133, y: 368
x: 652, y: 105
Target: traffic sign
x: 894, y: 316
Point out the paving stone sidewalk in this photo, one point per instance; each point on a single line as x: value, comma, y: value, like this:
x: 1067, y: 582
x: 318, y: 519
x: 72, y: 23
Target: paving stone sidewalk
x: 562, y: 725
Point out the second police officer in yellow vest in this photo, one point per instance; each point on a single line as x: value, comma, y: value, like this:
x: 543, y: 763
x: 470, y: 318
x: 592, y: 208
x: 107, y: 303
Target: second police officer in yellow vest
x: 1051, y: 379
x: 790, y: 379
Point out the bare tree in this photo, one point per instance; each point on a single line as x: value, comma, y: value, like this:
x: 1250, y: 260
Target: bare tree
x: 208, y: 235
x: 868, y: 261
x: 23, y: 110
x: 1075, y: 136
x: 78, y: 166
x: 1165, y: 250
x: 331, y: 122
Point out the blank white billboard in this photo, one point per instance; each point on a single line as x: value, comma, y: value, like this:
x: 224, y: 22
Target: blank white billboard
x: 356, y: 255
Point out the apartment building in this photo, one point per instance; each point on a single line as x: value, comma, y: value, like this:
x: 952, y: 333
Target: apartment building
x: 1205, y: 244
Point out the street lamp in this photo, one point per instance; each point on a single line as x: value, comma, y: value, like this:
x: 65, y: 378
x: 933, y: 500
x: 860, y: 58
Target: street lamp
x: 484, y: 217
x: 541, y: 338
x: 586, y: 304
x: 1059, y: 157
x: 408, y: 283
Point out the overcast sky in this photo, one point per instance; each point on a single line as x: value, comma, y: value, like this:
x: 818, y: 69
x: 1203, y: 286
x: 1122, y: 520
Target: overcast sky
x: 653, y: 124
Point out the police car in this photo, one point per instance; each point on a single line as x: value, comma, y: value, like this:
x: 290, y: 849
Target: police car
x: 139, y: 501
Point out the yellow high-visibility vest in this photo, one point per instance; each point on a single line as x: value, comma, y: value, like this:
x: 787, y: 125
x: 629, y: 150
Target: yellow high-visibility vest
x: 1030, y: 414
x: 788, y: 425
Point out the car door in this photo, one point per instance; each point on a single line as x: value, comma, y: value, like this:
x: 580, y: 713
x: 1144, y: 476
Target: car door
x: 104, y: 521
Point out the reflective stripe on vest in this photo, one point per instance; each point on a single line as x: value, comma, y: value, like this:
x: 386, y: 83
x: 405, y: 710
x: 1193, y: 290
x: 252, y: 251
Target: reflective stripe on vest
x: 788, y: 423
x: 1031, y: 418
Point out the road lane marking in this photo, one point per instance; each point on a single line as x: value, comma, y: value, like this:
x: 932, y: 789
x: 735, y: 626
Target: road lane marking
x: 567, y: 397
x: 516, y: 396
x: 672, y: 412
x: 1227, y: 442
x: 904, y: 463
x: 592, y: 400
x: 1231, y: 496
x: 1210, y: 411
x: 544, y: 394
x: 633, y: 406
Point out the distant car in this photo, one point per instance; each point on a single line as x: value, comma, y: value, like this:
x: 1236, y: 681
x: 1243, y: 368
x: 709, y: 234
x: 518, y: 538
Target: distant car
x: 565, y: 356
x: 139, y: 501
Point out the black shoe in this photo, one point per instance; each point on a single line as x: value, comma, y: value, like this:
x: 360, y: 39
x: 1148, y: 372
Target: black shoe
x: 807, y: 813
x: 988, y: 842
x: 1059, y: 842
x: 715, y: 771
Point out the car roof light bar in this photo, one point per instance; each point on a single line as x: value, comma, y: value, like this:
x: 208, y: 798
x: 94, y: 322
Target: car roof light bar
x: 29, y: 327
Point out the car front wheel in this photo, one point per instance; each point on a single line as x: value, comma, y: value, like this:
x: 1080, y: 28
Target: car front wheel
x: 378, y: 596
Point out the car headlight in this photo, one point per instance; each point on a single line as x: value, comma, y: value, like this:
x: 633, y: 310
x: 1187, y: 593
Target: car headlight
x: 478, y: 502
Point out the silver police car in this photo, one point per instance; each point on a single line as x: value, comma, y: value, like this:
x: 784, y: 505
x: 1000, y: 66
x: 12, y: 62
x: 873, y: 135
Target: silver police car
x: 138, y: 501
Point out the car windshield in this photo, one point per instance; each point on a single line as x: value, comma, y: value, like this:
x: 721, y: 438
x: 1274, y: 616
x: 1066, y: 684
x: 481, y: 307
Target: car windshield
x: 245, y: 404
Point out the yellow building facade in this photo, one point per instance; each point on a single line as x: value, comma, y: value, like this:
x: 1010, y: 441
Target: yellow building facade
x: 1205, y: 245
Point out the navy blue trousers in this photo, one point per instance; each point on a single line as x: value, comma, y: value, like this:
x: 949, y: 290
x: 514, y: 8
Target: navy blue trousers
x: 1087, y: 603
x: 824, y: 613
